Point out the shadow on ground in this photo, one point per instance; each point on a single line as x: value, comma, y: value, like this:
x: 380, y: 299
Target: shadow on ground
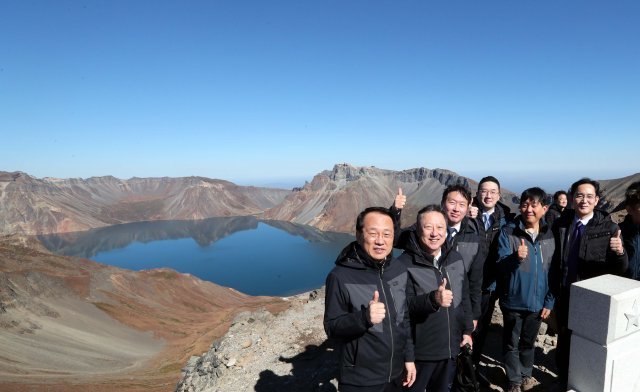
x: 492, y: 368
x: 313, y: 369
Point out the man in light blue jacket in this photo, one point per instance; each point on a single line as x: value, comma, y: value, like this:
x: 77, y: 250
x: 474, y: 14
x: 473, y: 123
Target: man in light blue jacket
x: 525, y: 253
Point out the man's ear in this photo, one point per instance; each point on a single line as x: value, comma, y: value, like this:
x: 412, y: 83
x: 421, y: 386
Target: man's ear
x: 545, y: 208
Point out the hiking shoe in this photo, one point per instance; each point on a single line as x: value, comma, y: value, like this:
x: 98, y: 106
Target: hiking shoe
x: 514, y: 388
x: 528, y: 383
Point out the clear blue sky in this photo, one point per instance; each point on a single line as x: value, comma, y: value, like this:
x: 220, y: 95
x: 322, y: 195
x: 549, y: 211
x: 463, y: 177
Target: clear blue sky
x: 276, y: 91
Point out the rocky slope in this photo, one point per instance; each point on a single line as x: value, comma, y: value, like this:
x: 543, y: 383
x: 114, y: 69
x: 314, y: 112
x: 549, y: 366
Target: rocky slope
x: 73, y: 324
x: 290, y: 352
x: 333, y: 199
x: 613, y: 191
x: 38, y: 206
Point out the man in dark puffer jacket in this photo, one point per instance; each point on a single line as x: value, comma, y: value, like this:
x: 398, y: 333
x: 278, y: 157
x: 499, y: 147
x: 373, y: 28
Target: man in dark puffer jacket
x: 438, y: 299
x: 365, y: 309
x: 588, y: 244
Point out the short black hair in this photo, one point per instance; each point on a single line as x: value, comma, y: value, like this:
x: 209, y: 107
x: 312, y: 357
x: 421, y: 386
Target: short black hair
x: 363, y: 214
x: 429, y: 208
x: 582, y: 181
x: 557, y: 195
x: 632, y: 195
x: 535, y: 193
x: 456, y: 188
x: 487, y: 179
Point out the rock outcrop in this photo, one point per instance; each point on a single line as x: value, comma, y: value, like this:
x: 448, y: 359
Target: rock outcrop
x: 332, y: 200
x: 41, y: 206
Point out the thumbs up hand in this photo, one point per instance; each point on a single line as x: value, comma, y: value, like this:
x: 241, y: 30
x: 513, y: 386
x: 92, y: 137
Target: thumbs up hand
x: 615, y: 243
x: 377, y: 310
x: 444, y: 297
x: 523, y: 250
x: 400, y: 200
x: 472, y: 212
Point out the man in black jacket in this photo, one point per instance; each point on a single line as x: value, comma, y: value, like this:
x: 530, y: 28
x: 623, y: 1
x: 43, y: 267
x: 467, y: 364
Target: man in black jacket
x: 438, y: 300
x: 588, y: 244
x: 365, y: 309
x: 463, y: 236
x: 491, y: 217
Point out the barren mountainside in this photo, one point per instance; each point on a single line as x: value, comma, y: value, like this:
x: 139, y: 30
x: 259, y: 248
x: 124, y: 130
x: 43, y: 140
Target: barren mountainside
x: 333, y: 199
x: 73, y: 322
x: 39, y: 206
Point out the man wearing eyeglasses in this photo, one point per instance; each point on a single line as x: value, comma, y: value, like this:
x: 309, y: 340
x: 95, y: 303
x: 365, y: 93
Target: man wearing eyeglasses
x: 491, y: 217
x: 589, y: 245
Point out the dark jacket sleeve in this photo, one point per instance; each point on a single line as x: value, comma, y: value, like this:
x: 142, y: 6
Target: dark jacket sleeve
x: 396, y: 213
x: 409, y: 352
x: 466, y: 306
x: 340, y: 321
x: 475, y: 280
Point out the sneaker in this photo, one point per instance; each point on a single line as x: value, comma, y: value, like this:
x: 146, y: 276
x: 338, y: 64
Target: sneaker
x: 528, y: 383
x: 514, y: 388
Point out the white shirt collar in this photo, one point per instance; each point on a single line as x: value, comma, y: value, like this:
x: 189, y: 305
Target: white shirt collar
x: 586, y: 219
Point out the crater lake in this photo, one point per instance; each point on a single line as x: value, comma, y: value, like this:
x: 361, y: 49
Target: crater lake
x: 250, y: 255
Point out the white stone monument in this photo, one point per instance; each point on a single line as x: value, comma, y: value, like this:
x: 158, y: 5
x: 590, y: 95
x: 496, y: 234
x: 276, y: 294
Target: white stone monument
x: 604, y: 315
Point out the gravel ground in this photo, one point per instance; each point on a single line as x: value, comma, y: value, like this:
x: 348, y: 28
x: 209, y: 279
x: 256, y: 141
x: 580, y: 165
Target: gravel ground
x: 290, y: 352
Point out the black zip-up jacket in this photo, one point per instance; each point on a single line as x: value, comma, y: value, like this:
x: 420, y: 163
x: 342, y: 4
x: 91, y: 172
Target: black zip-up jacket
x: 631, y: 239
x: 595, y: 258
x: 468, y: 242
x: 436, y: 332
x: 502, y: 216
x: 470, y: 245
x: 370, y: 354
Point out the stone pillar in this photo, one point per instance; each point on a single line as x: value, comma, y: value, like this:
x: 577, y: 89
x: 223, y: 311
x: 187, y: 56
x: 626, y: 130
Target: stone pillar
x: 604, y: 315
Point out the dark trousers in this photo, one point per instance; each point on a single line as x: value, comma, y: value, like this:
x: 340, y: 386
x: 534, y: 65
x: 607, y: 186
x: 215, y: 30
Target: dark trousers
x: 487, y: 306
x: 518, y: 342
x: 434, y: 376
x: 395, y: 386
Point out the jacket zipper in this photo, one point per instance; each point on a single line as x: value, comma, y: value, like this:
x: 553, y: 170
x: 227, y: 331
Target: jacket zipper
x: 448, y: 321
x: 384, y: 294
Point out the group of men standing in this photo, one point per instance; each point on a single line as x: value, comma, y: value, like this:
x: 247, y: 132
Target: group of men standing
x: 402, y: 321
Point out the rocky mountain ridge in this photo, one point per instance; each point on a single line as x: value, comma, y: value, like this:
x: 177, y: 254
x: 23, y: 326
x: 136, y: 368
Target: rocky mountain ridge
x: 332, y: 200
x: 41, y: 206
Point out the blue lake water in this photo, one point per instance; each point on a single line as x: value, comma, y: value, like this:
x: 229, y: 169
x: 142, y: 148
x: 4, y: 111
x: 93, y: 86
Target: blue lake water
x: 252, y: 256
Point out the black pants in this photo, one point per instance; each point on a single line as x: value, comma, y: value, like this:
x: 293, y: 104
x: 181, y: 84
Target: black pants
x: 434, y: 376
x: 487, y: 306
x: 394, y: 386
x: 518, y: 342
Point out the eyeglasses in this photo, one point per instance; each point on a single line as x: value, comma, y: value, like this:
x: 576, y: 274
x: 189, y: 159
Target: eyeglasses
x: 582, y: 196
x: 485, y: 192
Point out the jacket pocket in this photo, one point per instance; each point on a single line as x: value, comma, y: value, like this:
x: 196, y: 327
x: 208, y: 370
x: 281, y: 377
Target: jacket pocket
x: 350, y: 353
x: 596, y: 247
